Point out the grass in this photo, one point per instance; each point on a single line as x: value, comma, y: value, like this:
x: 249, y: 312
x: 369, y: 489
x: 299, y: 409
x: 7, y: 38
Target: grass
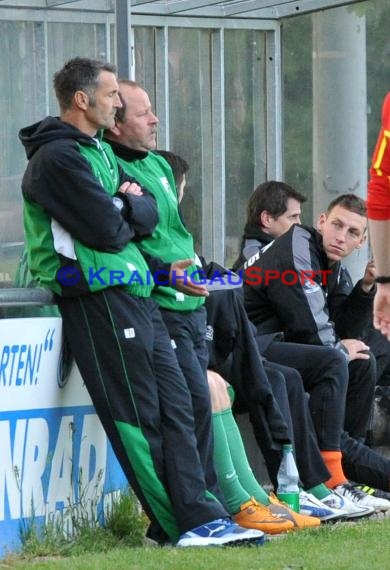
x: 343, y: 546
x: 125, y: 525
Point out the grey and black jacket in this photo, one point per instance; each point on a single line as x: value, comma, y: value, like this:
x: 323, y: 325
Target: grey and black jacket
x: 319, y: 310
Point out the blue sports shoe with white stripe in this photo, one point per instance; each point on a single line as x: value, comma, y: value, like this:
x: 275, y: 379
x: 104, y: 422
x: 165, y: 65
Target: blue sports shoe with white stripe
x: 221, y: 532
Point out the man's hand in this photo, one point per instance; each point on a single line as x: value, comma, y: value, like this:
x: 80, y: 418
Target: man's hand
x: 368, y: 277
x: 355, y: 348
x: 130, y: 188
x: 182, y: 281
x: 382, y: 309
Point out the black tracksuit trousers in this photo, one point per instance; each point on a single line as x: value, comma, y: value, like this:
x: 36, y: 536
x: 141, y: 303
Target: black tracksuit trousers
x: 289, y: 392
x: 124, y: 355
x: 187, y: 331
x: 324, y: 373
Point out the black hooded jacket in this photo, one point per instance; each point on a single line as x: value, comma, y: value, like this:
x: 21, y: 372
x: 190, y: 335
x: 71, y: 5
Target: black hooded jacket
x: 69, y: 189
x: 63, y: 182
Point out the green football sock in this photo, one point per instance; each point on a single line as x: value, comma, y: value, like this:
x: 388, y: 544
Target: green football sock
x: 234, y: 493
x: 231, y: 392
x: 240, y: 459
x: 319, y: 491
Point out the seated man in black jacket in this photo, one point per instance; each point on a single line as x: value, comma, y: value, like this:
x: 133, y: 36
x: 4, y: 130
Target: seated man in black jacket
x: 269, y: 208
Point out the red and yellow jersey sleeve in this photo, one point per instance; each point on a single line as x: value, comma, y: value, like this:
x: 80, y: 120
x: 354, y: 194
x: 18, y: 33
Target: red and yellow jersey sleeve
x: 378, y: 196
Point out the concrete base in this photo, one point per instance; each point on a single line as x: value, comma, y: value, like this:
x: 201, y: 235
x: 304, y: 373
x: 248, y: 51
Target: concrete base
x: 254, y: 454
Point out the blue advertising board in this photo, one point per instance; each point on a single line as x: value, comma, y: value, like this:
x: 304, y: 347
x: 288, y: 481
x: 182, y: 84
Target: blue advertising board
x: 54, y: 455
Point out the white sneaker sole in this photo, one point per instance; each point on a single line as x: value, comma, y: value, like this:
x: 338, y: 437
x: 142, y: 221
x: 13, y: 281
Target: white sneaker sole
x: 209, y: 541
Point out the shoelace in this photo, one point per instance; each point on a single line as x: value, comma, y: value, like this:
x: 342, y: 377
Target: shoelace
x: 225, y: 520
x: 265, y: 511
x: 258, y: 506
x: 354, y: 493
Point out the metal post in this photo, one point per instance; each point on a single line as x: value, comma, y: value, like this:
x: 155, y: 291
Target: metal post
x: 123, y: 37
x: 339, y: 112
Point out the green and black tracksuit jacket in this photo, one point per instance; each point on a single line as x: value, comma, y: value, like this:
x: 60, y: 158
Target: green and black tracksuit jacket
x: 73, y: 230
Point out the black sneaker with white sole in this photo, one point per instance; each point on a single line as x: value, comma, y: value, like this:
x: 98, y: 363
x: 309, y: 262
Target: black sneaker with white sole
x: 378, y: 493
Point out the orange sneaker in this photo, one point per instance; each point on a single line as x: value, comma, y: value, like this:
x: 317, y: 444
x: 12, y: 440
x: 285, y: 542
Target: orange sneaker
x: 299, y: 521
x: 254, y: 515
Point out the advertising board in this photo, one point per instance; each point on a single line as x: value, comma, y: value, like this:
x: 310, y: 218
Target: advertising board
x: 55, y: 459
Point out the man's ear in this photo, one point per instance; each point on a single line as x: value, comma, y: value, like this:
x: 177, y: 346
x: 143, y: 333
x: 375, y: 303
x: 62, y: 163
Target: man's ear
x: 321, y: 221
x: 363, y: 239
x: 265, y: 219
x: 81, y: 100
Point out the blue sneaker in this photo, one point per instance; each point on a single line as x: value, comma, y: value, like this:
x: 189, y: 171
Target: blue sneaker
x: 312, y: 507
x: 221, y: 532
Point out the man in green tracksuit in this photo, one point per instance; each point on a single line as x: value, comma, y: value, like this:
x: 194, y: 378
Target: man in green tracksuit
x: 132, y: 138
x: 82, y: 215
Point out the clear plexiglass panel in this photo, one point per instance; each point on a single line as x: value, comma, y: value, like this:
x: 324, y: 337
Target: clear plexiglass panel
x: 66, y: 41
x: 245, y: 128
x: 324, y: 85
x: 22, y: 75
x: 144, y: 60
x: 190, y: 119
